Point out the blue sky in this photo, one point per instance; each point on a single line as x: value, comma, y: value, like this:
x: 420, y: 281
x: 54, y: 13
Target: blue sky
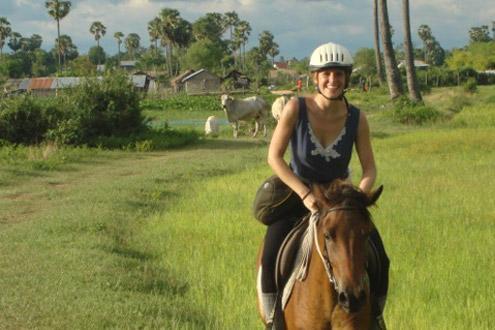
x: 297, y: 25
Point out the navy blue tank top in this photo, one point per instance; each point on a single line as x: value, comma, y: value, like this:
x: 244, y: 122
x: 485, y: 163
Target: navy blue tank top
x: 314, y: 163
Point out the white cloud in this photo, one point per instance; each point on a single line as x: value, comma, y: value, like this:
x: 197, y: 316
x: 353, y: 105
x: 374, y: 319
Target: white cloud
x: 298, y: 25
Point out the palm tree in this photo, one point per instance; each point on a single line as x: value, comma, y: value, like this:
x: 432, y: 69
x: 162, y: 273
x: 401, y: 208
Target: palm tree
x: 378, y: 54
x: 169, y: 22
x: 154, y: 27
x: 242, y: 32
x: 15, y: 41
x: 391, y: 70
x: 58, y: 10
x: 5, y: 31
x: 412, y: 83
x: 231, y: 19
x: 64, y: 46
x: 98, y: 30
x: 118, y: 36
x: 132, y: 43
x: 36, y: 41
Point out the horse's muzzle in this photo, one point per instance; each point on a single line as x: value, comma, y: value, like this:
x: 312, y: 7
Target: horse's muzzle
x: 349, y: 302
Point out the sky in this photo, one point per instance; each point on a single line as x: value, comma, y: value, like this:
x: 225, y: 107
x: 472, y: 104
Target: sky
x: 298, y: 26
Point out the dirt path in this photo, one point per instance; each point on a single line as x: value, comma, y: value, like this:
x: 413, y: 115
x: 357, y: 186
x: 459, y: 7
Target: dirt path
x: 28, y: 199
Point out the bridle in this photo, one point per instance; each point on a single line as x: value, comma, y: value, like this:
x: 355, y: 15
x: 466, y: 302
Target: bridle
x: 315, y: 217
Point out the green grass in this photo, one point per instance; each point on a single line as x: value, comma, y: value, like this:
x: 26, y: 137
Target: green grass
x: 166, y: 239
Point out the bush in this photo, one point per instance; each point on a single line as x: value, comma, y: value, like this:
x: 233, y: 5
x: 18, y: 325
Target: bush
x: 100, y: 108
x: 408, y: 112
x: 184, y: 102
x: 23, y: 120
x: 471, y: 86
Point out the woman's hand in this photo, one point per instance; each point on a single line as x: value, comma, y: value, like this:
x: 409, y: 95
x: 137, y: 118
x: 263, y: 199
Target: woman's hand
x: 310, y: 202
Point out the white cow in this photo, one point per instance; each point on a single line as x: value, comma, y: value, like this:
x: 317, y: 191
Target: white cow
x: 278, y: 105
x: 212, y: 126
x: 253, y: 107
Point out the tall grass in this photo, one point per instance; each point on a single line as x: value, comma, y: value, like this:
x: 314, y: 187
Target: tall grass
x: 167, y: 239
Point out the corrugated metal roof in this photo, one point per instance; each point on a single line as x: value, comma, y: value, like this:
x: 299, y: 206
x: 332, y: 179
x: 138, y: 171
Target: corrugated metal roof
x: 139, y: 81
x: 24, y: 84
x: 128, y: 63
x: 65, y: 82
x: 40, y: 83
x: 192, y: 75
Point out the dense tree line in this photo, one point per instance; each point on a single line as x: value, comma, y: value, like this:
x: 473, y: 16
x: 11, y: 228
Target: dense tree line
x: 218, y: 42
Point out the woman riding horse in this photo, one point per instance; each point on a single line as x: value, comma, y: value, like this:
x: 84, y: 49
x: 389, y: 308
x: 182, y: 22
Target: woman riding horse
x: 322, y: 129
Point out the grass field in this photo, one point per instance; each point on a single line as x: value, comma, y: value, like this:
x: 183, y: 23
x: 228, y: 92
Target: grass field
x: 114, y: 239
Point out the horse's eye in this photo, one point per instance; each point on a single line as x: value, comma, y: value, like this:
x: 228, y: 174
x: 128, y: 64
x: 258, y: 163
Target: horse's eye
x: 329, y: 235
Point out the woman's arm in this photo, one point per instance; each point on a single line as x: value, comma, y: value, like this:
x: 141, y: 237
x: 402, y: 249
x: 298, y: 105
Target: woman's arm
x: 365, y: 154
x: 278, y: 145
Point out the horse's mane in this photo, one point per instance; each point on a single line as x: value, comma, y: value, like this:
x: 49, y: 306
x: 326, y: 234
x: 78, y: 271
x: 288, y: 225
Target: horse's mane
x: 345, y: 194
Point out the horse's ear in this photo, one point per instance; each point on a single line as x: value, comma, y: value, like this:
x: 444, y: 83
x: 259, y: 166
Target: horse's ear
x: 373, y: 197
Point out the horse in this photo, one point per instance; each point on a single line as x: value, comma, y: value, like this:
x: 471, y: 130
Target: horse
x: 332, y: 290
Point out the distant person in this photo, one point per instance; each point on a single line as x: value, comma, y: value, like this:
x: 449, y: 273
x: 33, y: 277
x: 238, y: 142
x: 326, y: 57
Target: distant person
x: 299, y: 85
x: 322, y: 130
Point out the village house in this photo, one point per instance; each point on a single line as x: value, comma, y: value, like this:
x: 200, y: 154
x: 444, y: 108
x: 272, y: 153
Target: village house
x: 201, y: 82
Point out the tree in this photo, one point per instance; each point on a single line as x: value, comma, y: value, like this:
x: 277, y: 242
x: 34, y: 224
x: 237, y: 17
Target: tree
x: 241, y: 33
x: 66, y: 48
x: 412, y: 83
x: 365, y: 63
x: 98, y: 30
x: 479, y: 34
x: 209, y: 26
x: 118, y: 37
x: 97, y: 55
x: 169, y: 21
x: 204, y: 53
x: 58, y: 10
x: 433, y: 52
x: 15, y: 41
x: 231, y: 20
x: 391, y: 70
x: 267, y: 45
x: 5, y: 31
x: 132, y: 42
x: 154, y: 27
x: 376, y: 33
x: 35, y: 41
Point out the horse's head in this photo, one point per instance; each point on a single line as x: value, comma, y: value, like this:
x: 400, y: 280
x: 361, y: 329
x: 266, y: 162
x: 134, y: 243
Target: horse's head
x: 343, y: 230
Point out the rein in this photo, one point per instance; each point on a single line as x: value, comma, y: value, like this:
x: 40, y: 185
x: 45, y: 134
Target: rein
x: 312, y: 237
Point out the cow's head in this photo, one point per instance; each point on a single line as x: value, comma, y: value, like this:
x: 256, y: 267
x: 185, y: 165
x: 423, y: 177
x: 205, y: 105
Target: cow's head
x: 225, y: 99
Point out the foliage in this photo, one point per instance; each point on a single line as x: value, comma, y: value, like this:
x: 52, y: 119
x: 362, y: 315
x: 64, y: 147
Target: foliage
x: 183, y: 102
x: 206, y: 54
x: 478, y: 55
x: 407, y: 112
x: 97, y: 55
x: 103, y: 108
x: 471, y: 86
x: 479, y: 34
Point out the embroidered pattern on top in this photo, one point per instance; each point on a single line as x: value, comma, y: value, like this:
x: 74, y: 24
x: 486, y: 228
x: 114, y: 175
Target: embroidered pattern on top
x: 329, y: 152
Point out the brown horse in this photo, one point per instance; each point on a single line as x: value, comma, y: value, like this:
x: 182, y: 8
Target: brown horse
x: 333, y: 290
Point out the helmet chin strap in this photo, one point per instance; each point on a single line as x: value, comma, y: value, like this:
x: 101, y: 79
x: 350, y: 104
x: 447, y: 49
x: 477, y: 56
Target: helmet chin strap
x: 338, y: 98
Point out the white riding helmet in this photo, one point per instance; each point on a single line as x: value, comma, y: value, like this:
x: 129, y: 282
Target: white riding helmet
x: 331, y: 55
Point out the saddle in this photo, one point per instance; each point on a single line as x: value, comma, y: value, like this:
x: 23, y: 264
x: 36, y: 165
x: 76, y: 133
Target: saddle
x: 288, y: 252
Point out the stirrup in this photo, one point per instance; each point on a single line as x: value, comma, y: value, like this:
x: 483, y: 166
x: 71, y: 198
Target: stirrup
x: 379, y: 323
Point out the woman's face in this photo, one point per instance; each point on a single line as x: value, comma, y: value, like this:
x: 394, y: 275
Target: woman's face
x: 331, y: 82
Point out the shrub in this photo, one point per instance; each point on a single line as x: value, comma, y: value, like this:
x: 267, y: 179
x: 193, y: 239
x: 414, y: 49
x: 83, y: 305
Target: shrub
x: 408, y: 112
x: 101, y: 108
x: 471, y: 86
x: 23, y: 120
